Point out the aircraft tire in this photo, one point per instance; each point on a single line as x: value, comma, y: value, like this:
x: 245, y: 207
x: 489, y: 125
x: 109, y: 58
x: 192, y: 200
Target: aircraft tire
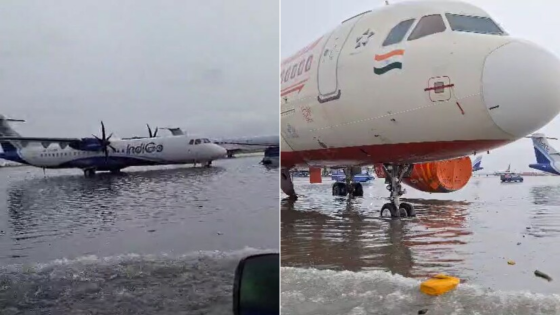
x: 358, y: 190
x: 408, y: 208
x: 391, y: 208
x: 89, y: 172
x: 339, y: 189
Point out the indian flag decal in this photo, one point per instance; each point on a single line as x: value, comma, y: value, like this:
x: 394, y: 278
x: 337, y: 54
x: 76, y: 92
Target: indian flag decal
x: 389, y: 61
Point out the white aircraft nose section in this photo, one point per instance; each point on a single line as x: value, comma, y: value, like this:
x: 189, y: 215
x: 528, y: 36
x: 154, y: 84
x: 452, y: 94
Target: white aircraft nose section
x: 219, y: 151
x: 521, y: 87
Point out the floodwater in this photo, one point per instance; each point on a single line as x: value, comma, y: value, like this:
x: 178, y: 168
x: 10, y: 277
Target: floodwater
x: 160, y: 240
x: 339, y: 257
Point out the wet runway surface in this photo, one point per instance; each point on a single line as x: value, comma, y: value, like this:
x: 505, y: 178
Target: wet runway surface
x: 160, y: 240
x: 336, y: 254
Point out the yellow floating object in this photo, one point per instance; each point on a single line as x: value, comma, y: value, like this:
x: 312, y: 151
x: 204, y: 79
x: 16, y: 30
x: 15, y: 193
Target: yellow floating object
x: 439, y: 284
x: 511, y: 262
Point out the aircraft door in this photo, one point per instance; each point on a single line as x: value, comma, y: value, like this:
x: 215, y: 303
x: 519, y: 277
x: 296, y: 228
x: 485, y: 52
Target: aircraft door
x: 327, y: 72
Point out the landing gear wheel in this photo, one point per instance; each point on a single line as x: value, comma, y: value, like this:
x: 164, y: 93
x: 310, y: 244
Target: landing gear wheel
x: 408, y: 209
x: 391, y: 209
x: 208, y: 164
x: 89, y: 172
x: 339, y: 189
x: 358, y: 190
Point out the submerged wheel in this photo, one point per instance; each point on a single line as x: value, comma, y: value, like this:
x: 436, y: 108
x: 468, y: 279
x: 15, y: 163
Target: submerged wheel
x: 408, y: 208
x: 118, y: 171
x: 391, y: 209
x: 358, y: 190
x: 339, y: 189
x: 89, y: 172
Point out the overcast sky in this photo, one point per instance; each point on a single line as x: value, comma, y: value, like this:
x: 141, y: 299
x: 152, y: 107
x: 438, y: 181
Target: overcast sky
x: 208, y: 66
x: 304, y: 21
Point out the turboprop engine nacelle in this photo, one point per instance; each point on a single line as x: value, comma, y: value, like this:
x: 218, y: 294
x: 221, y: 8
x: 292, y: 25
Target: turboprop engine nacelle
x: 437, y: 177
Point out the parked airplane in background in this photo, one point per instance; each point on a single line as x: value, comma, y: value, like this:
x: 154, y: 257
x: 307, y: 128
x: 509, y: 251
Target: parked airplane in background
x: 414, y: 88
x: 248, y: 144
x: 104, y: 154
x: 476, y: 164
x: 547, y: 157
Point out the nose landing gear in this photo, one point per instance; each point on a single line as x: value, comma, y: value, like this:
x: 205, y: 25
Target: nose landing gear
x: 394, y: 175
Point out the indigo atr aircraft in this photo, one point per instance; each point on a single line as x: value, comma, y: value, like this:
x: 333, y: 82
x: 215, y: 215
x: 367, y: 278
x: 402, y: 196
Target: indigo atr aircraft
x: 413, y: 88
x: 105, y: 154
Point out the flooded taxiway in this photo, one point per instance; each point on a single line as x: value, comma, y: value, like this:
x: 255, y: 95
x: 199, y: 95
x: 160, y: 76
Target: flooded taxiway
x: 336, y: 254
x: 163, y: 241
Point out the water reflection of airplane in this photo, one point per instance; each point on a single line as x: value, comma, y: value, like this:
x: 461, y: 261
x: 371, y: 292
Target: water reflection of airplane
x: 328, y: 110
x: 103, y: 153
x: 350, y: 240
x: 545, y: 219
x: 63, y: 203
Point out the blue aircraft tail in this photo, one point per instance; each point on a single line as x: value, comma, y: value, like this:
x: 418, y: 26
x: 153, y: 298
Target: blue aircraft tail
x: 545, y: 154
x: 476, y: 164
x: 7, y: 131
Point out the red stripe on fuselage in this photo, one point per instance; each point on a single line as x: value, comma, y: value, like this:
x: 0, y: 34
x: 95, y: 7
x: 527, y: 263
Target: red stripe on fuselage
x: 388, y: 153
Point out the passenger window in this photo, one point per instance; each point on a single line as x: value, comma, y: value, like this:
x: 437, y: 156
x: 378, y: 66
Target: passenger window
x: 428, y: 25
x: 473, y: 24
x: 396, y: 35
x: 197, y: 141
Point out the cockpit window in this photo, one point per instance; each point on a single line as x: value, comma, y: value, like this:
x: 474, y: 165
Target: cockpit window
x: 398, y: 32
x: 206, y: 140
x: 192, y: 141
x: 473, y: 24
x: 428, y: 25
x: 197, y: 141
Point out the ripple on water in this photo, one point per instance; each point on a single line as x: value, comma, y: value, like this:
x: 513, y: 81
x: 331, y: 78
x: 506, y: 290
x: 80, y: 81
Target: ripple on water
x: 195, y: 283
x: 470, y: 234
x: 145, y: 210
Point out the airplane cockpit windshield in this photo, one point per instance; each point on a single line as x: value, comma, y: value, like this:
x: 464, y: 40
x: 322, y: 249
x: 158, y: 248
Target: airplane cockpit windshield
x: 199, y: 141
x: 428, y: 25
x: 398, y: 32
x: 473, y: 24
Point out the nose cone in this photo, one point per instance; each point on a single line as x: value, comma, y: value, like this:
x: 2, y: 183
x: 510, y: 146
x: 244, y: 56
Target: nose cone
x: 521, y: 87
x: 220, y: 151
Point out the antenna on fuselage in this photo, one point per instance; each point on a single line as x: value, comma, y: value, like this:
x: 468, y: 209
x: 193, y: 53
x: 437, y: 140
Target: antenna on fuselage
x: 386, y: 2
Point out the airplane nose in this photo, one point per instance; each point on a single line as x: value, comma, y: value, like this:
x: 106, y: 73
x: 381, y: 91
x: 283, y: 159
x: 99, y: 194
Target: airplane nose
x: 521, y: 87
x: 220, y: 151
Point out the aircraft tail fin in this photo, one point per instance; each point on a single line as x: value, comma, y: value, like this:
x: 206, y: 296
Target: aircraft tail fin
x: 544, y: 152
x: 477, y: 162
x: 7, y: 131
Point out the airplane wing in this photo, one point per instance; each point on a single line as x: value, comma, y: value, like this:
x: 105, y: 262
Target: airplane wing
x: 40, y: 139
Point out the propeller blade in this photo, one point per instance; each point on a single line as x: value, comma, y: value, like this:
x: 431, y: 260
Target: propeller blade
x: 149, y: 131
x: 155, y: 132
x: 102, y: 130
x: 112, y: 147
x: 109, y: 137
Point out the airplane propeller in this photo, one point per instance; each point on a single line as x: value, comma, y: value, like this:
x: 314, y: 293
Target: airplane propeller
x: 104, y: 141
x: 150, y: 131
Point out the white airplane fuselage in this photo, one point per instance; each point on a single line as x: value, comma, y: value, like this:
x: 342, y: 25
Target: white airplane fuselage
x: 348, y: 100
x: 146, y: 151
